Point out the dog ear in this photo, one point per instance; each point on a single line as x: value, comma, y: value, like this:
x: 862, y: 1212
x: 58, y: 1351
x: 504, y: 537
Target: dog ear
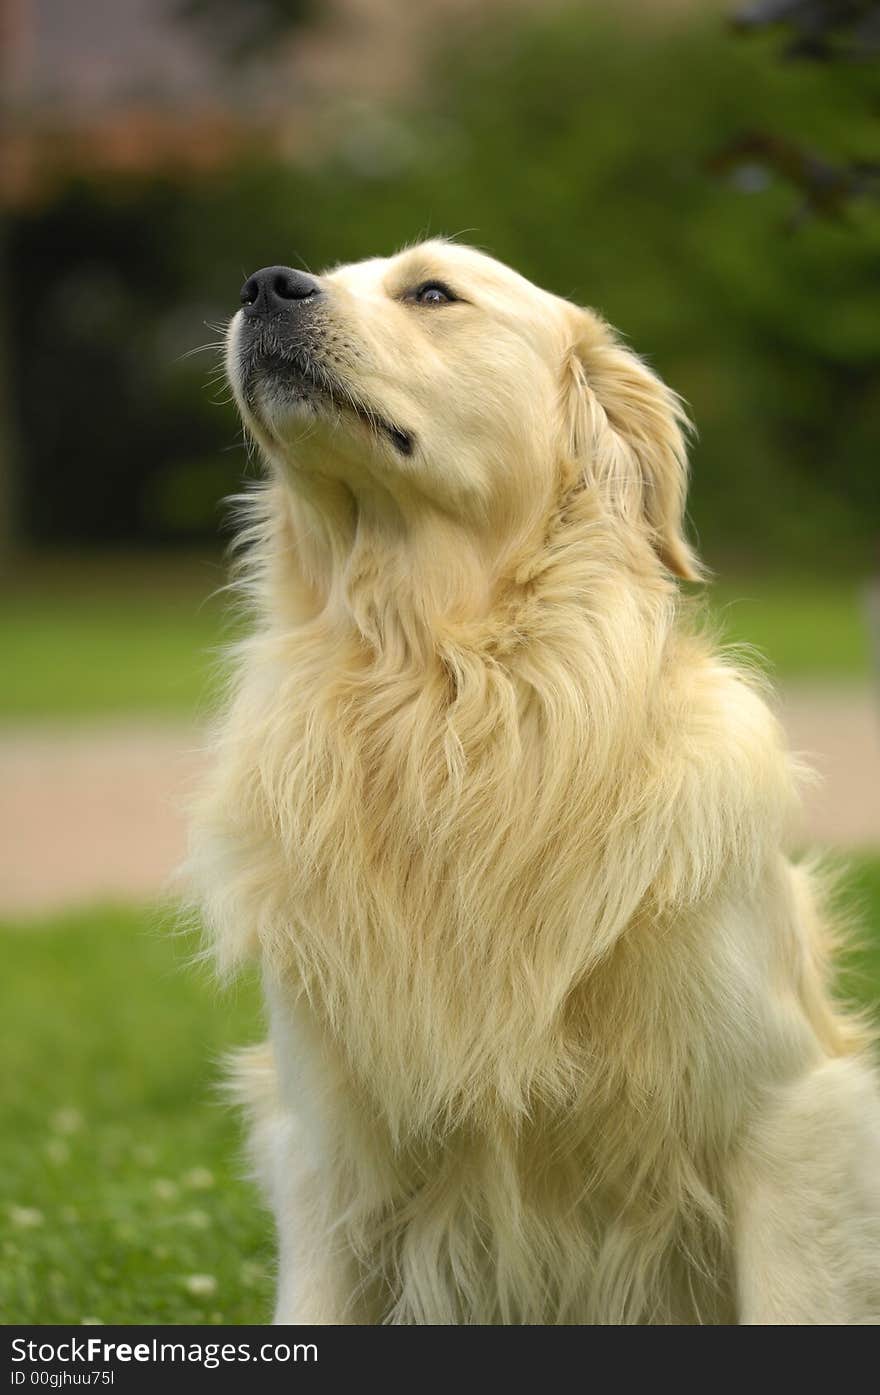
x: 627, y: 431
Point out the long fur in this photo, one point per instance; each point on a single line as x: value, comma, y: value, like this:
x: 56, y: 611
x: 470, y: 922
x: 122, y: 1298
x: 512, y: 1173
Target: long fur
x: 508, y: 836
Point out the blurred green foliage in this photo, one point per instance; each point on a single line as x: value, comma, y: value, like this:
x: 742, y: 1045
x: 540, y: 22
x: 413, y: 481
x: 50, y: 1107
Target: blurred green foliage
x: 572, y: 146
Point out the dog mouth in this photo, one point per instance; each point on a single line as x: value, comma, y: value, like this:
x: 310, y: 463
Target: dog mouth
x: 272, y: 373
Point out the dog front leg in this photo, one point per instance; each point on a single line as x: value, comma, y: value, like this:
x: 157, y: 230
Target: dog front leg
x: 317, y: 1279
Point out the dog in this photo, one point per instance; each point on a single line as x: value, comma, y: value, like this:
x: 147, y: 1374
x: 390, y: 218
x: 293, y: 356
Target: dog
x: 551, y: 1032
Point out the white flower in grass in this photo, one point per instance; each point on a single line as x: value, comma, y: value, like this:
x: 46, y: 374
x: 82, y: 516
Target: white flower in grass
x: 198, y: 1179
x: 251, y: 1273
x: 197, y: 1220
x: 163, y: 1190
x: 58, y: 1151
x: 200, y: 1285
x: 91, y: 1322
x: 25, y: 1217
x: 67, y: 1120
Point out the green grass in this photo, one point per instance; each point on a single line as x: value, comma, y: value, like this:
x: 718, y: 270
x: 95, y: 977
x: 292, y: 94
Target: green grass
x: 104, y: 657
x: 805, y: 630
x: 112, y: 638
x: 120, y: 1172
x: 122, y: 1190
x: 861, y: 886
x: 109, y: 638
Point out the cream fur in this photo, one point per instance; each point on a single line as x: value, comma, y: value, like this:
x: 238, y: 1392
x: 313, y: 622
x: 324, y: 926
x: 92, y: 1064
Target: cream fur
x: 551, y: 1033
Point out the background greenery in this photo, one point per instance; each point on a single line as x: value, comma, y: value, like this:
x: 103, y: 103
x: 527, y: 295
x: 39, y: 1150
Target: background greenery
x: 575, y: 145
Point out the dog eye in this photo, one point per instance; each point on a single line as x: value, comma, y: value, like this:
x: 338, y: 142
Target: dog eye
x: 433, y: 293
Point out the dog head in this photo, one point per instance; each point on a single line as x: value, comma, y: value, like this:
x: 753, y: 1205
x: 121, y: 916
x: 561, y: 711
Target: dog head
x: 441, y: 380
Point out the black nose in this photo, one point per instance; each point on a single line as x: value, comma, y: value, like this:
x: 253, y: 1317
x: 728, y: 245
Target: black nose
x: 276, y: 289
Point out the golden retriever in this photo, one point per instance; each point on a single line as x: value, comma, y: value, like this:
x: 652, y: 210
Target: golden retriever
x: 551, y: 1035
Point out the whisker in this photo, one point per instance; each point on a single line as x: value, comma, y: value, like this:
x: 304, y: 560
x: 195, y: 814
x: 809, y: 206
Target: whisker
x: 200, y: 349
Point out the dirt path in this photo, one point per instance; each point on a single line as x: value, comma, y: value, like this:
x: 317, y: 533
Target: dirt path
x: 96, y: 813
x: 837, y: 731
x: 91, y: 813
